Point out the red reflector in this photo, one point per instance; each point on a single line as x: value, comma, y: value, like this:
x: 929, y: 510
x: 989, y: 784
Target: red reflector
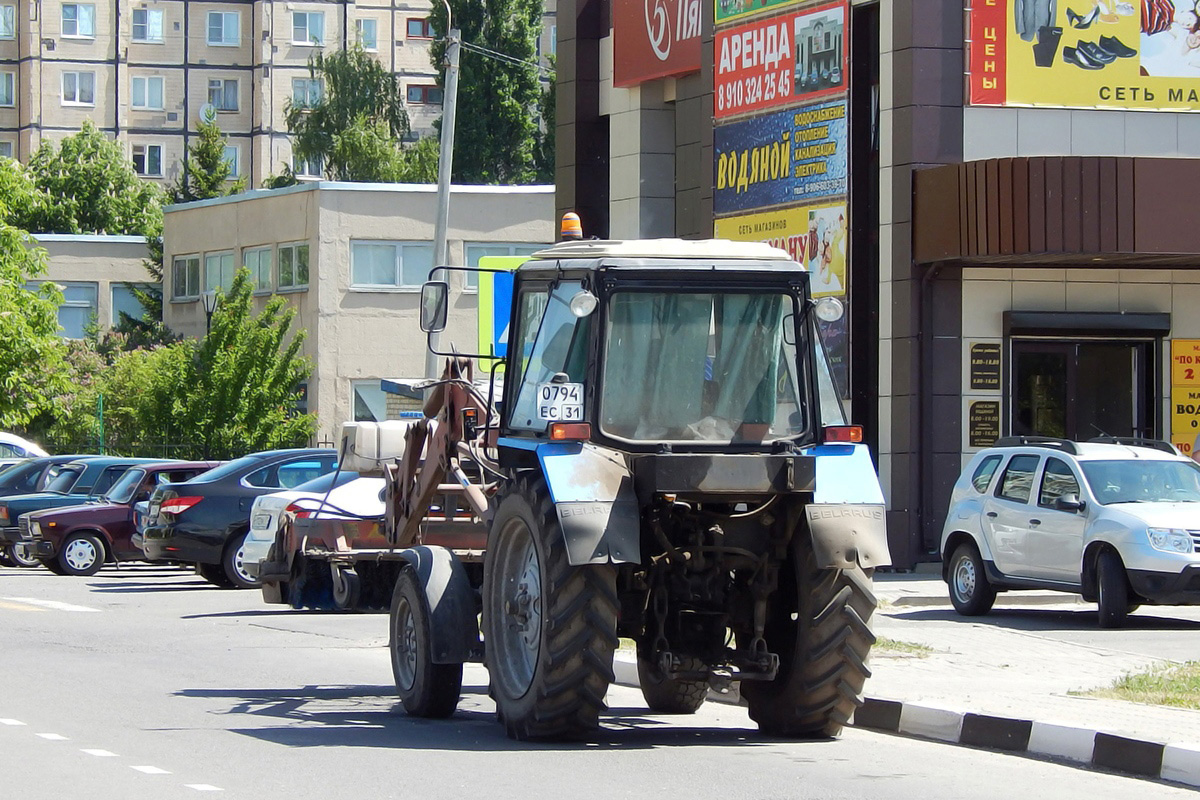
x: 300, y: 511
x: 843, y: 434
x: 570, y: 431
x: 179, y: 505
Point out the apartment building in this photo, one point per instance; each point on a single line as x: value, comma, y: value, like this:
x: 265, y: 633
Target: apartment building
x: 146, y: 71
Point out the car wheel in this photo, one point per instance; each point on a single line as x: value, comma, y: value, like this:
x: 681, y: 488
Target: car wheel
x: 970, y: 591
x: 1113, y: 590
x: 234, y: 563
x: 6, y: 558
x: 19, y: 558
x: 214, y: 574
x: 81, y: 554
x: 53, y: 565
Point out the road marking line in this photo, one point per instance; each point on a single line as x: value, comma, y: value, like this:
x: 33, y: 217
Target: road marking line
x: 53, y: 737
x: 151, y: 770
x: 99, y: 753
x: 19, y: 607
x: 11, y: 722
x: 52, y: 604
x: 203, y: 787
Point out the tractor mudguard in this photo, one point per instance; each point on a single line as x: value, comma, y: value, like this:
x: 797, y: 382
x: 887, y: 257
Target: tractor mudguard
x: 593, y: 496
x: 847, y: 517
x: 451, y: 600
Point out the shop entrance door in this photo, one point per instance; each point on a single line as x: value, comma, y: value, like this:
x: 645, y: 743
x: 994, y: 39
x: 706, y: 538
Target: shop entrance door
x: 1079, y: 390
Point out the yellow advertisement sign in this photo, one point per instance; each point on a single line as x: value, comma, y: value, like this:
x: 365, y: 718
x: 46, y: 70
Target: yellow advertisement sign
x: 495, y: 304
x: 1185, y: 394
x: 1106, y: 54
x: 815, y: 236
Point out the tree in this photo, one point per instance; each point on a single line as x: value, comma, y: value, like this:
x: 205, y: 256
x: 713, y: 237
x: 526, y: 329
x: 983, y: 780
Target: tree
x: 89, y: 186
x: 544, y: 156
x: 205, y: 171
x: 358, y: 97
x: 496, y: 128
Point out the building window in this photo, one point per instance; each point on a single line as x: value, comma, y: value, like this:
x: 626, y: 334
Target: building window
x: 419, y: 28
x: 306, y: 92
x: 293, y: 266
x: 478, y: 250
x: 6, y: 149
x: 148, y: 93
x: 370, y: 401
x: 424, y: 94
x: 185, y: 278
x: 218, y: 271
x: 231, y: 158
x: 79, y: 20
x: 554, y: 40
x: 78, y: 310
x: 368, y: 36
x: 79, y: 88
x: 147, y: 25
x: 147, y: 159
x: 223, y: 94
x: 124, y: 301
x: 8, y: 82
x: 308, y: 167
x: 223, y: 28
x: 308, y: 27
x: 8, y: 22
x: 390, y: 264
x: 258, y: 261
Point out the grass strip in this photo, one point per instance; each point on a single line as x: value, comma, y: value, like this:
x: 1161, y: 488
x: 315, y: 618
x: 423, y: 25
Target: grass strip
x: 1177, y: 686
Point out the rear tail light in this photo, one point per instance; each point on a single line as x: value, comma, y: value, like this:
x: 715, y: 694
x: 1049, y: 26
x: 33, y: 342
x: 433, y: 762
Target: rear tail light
x: 3, y: 515
x: 570, y: 431
x: 298, y: 510
x: 843, y: 434
x: 178, y: 505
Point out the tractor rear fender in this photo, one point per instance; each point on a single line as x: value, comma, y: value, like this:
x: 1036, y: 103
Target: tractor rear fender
x: 451, y: 602
x: 594, y: 499
x: 847, y: 516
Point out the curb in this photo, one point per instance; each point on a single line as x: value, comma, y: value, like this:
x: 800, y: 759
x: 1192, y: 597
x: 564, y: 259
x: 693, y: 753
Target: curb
x: 1179, y: 763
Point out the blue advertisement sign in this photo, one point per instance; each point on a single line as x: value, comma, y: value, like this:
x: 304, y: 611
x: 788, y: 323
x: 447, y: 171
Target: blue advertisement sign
x: 787, y: 157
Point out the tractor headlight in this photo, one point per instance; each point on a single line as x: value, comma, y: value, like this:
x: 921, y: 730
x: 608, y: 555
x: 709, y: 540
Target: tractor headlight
x: 1170, y: 540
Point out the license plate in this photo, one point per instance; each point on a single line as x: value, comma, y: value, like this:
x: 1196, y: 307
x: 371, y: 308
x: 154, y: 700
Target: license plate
x: 560, y: 402
x: 152, y: 512
x: 261, y: 522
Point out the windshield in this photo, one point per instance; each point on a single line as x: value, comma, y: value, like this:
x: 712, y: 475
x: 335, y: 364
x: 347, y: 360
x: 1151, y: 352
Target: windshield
x: 65, y: 480
x: 1143, y: 481
x: 22, y: 477
x: 551, y: 340
x: 701, y: 367
x: 122, y: 491
x: 326, y: 482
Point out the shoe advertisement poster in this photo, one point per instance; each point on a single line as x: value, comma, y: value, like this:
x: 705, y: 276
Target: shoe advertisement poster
x: 1116, y: 54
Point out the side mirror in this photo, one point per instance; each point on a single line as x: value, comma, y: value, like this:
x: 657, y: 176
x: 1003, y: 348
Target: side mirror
x: 1069, y: 502
x: 434, y: 297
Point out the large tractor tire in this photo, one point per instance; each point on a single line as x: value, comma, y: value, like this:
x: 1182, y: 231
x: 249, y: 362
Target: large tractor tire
x: 551, y: 628
x: 819, y: 623
x: 669, y: 695
x: 426, y: 689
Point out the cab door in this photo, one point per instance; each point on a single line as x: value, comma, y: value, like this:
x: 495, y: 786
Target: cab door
x: 1006, y: 515
x: 1056, y: 541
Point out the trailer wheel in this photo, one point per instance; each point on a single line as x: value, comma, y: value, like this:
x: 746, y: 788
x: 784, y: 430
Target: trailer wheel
x: 818, y: 622
x: 551, y: 628
x: 426, y: 689
x: 347, y: 587
x: 669, y: 695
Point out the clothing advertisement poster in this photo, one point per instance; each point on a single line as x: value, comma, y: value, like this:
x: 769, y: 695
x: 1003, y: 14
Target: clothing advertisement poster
x: 1116, y: 54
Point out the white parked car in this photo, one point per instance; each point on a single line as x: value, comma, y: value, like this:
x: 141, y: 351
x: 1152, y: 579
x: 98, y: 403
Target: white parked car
x: 350, y: 494
x: 1116, y: 520
x: 13, y: 449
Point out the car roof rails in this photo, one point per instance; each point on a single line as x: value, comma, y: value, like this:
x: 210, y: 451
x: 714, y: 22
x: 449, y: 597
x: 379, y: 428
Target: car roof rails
x: 1138, y: 441
x: 1065, y: 445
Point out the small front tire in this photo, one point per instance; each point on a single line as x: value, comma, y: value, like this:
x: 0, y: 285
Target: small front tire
x: 347, y: 587
x: 426, y: 689
x: 669, y: 695
x: 970, y: 591
x: 1113, y: 590
x: 82, y: 554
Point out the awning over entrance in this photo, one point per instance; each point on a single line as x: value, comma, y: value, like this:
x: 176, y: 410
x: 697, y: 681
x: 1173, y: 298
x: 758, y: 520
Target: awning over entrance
x: 1094, y: 211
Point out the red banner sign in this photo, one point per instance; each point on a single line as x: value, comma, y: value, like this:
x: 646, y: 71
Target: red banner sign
x: 787, y: 59
x: 654, y: 39
x: 989, y: 20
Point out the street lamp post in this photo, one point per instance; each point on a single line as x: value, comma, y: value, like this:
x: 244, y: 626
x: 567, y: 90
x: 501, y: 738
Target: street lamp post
x: 210, y: 305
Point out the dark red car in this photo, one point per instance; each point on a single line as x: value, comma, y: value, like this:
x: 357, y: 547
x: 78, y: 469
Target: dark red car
x: 78, y: 540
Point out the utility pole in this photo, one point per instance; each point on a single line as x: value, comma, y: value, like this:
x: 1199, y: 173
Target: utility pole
x: 441, y: 244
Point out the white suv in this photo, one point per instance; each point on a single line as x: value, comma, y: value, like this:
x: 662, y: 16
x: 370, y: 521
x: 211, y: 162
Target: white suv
x: 1116, y: 520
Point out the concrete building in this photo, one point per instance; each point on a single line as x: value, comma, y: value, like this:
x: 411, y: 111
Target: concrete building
x: 145, y: 71
x: 1008, y: 222
x: 94, y: 272
x: 351, y: 259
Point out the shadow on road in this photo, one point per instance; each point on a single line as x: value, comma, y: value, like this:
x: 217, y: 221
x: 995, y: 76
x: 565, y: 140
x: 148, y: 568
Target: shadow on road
x: 282, y: 611
x: 1057, y: 619
x: 371, y: 716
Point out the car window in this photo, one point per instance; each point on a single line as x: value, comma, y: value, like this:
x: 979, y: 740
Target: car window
x: 107, y: 478
x: 295, y: 473
x: 330, y: 480
x: 1057, y: 481
x: 11, y: 451
x: 22, y: 478
x: 228, y: 468
x: 125, y: 487
x: 983, y: 474
x: 65, y: 479
x: 1017, y: 480
x: 178, y: 475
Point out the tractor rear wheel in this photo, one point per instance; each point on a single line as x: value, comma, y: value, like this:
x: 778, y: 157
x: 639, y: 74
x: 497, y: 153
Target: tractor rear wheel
x: 819, y: 623
x: 551, y: 628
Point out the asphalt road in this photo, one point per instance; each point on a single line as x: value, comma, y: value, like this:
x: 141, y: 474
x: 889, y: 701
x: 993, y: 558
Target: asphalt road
x: 147, y: 683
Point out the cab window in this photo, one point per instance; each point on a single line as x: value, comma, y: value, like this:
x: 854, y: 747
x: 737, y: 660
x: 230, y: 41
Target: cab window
x: 1057, y: 481
x: 1016, y: 483
x: 984, y: 472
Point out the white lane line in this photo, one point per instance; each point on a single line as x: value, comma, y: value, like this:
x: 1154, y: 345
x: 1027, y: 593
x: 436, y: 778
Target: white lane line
x: 53, y: 737
x: 203, y: 787
x: 151, y: 770
x: 99, y: 753
x: 11, y: 722
x: 52, y: 604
